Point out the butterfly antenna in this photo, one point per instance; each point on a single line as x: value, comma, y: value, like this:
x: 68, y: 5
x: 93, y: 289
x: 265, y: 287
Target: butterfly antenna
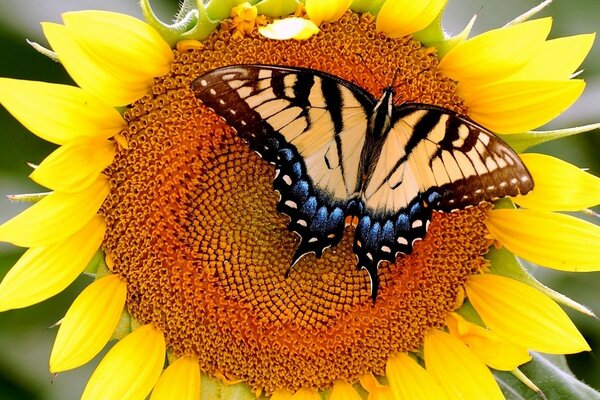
x: 364, y: 63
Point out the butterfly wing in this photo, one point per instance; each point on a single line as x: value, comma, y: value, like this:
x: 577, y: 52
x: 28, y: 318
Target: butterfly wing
x: 311, y: 126
x: 431, y: 159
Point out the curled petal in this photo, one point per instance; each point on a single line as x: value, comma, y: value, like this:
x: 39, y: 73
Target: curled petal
x: 523, y: 315
x: 130, y: 369
x: 408, y: 380
x: 495, y: 54
x: 55, y: 217
x: 89, y: 323
x: 289, y: 28
x: 549, y: 239
x: 43, y: 272
x: 518, y: 106
x: 75, y: 166
x: 181, y: 380
x: 559, y: 186
x: 403, y: 17
x: 61, y: 113
x: 457, y: 369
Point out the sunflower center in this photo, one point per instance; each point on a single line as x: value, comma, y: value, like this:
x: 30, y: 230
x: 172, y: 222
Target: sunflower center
x: 193, y: 228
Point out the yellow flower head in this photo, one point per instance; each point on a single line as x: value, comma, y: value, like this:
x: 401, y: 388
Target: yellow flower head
x: 224, y: 204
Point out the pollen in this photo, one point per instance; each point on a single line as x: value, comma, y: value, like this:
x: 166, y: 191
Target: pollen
x: 193, y: 228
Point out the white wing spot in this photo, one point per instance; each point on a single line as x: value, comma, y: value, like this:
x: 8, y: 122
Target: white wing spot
x: 479, y: 191
x: 244, y: 124
x: 287, y: 179
x: 514, y: 180
x: 221, y: 101
x: 212, y: 91
x: 386, y: 249
x: 203, y: 82
x: 232, y: 112
x: 491, y: 187
x: 503, y: 184
x: 369, y: 256
x: 291, y: 204
x: 402, y: 241
x: 302, y: 222
x: 524, y: 178
x: 312, y: 240
x: 417, y: 223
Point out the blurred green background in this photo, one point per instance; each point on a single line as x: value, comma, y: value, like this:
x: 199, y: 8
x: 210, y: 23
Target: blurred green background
x: 26, y: 335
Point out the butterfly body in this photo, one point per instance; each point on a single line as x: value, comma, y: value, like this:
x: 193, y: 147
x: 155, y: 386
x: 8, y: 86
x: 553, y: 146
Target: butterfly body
x: 340, y: 155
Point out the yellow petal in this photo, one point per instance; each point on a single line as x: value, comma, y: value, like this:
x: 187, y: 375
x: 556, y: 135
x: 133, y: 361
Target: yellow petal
x: 547, y: 66
x: 403, y: 17
x: 559, y: 186
x: 343, y: 391
x: 289, y: 28
x: 130, y: 46
x: 408, y: 380
x: 55, y: 217
x: 326, y: 10
x: 181, y: 380
x: 92, y: 74
x: 376, y: 390
x: 497, y: 53
x: 281, y: 394
x: 548, y: 239
x: 523, y: 315
x: 489, y: 347
x: 89, y: 323
x: 43, y: 272
x: 130, y: 369
x: 59, y: 113
x: 457, y: 369
x: 519, y: 106
x: 306, y: 394
x: 75, y: 166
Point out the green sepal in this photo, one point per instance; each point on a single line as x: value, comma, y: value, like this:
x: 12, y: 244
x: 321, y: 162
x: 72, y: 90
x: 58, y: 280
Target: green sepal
x: 193, y: 24
x: 370, y: 6
x: 551, y: 375
x: 204, y: 25
x: 433, y: 33
x: 528, y: 14
x: 96, y: 265
x: 523, y: 141
x: 44, y: 51
x: 212, y: 388
x: 27, y: 198
x: 124, y: 327
x: 444, y: 45
x: 277, y: 8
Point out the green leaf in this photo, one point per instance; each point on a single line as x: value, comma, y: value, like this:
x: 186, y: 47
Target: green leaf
x: 522, y: 141
x: 370, y: 6
x: 549, y: 373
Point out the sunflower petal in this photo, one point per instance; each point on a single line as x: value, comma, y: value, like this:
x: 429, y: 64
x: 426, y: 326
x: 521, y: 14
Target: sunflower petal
x: 289, y: 28
x: 61, y: 114
x: 43, y: 272
x: 93, y: 74
x: 343, y: 391
x: 181, y: 380
x: 306, y: 394
x: 549, y: 239
x: 495, y: 54
x: 546, y: 66
x: 403, y: 17
x: 55, y: 217
x: 326, y: 10
x: 491, y: 349
x: 142, y: 53
x: 559, y: 186
x: 281, y: 394
x: 89, y: 323
x: 518, y: 106
x: 408, y: 380
x: 75, y: 166
x: 523, y: 315
x: 130, y: 369
x: 457, y: 369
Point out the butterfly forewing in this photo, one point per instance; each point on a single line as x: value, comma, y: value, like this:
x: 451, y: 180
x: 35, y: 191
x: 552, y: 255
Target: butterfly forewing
x: 311, y: 125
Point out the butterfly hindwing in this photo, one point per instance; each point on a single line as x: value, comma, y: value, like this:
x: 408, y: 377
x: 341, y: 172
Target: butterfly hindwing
x: 311, y: 126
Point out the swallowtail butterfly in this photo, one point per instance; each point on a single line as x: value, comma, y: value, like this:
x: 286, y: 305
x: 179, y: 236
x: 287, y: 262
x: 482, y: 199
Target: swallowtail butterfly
x: 339, y: 152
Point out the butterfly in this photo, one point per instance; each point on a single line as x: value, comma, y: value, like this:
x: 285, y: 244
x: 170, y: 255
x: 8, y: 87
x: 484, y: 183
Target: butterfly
x: 342, y: 155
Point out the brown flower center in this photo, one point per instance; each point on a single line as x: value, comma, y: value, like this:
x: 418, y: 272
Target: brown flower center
x: 193, y: 228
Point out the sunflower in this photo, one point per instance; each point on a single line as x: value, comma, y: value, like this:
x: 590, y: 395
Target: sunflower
x: 177, y: 218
